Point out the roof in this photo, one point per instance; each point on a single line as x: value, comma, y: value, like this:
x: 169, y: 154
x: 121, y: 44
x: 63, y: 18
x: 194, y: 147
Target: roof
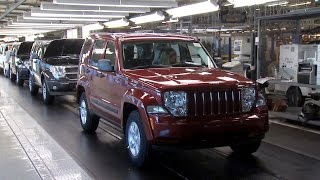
x: 139, y: 36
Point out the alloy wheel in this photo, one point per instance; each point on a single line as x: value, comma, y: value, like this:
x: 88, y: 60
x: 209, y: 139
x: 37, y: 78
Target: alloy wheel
x: 134, y: 140
x: 17, y: 78
x: 44, y: 90
x: 83, y: 112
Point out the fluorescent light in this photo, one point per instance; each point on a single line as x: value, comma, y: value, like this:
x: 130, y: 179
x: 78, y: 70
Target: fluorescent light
x: 242, y: 3
x: 86, y: 30
x: 41, y: 24
x: 96, y: 26
x: 117, y: 23
x: 299, y: 4
x: 171, y: 20
x: 157, y: 16
x: 28, y: 16
x: 278, y: 3
x: 193, y: 9
x: 228, y: 4
x: 63, y: 7
x: 120, y: 3
x: 43, y: 13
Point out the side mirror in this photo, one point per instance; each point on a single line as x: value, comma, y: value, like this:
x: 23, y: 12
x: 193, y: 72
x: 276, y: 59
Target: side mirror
x: 34, y: 56
x: 105, y: 65
x: 11, y: 53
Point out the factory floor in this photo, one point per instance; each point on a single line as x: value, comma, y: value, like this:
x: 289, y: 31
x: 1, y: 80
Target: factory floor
x: 47, y: 142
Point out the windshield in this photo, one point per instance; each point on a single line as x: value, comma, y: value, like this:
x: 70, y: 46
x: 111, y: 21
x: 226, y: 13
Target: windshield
x: 64, y: 47
x: 163, y: 54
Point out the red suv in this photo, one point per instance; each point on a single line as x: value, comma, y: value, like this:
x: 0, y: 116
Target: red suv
x: 165, y: 90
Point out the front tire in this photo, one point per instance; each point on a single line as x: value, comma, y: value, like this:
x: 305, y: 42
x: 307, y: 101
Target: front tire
x: 88, y: 120
x: 34, y: 89
x: 47, y: 98
x: 246, y: 148
x: 136, y: 141
x: 20, y: 81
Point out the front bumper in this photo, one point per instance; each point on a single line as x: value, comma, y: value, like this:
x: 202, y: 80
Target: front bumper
x: 57, y: 88
x: 24, y: 73
x: 209, y: 131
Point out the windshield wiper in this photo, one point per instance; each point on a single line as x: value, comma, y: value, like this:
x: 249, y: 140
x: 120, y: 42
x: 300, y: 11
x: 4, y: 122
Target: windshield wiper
x: 188, y: 64
x: 150, y: 66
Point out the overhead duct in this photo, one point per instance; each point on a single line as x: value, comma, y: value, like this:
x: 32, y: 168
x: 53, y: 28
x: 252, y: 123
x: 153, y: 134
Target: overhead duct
x: 42, y: 13
x: 120, y: 3
x: 11, y: 8
x: 62, y: 7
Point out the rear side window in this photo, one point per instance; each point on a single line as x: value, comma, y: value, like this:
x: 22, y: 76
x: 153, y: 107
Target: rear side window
x: 98, y: 52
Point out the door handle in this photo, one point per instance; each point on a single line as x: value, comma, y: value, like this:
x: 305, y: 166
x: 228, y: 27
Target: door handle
x: 87, y: 70
x: 100, y: 75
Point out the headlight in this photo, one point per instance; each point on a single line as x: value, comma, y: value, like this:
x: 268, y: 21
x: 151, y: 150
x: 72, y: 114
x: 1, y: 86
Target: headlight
x: 261, y: 101
x: 58, y: 71
x: 248, y: 96
x: 156, y: 110
x: 176, y: 103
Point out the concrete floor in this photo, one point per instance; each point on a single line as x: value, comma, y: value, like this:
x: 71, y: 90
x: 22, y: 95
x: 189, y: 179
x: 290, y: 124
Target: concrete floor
x: 286, y: 153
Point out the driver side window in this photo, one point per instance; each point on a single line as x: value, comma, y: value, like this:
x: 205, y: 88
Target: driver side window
x: 98, y: 52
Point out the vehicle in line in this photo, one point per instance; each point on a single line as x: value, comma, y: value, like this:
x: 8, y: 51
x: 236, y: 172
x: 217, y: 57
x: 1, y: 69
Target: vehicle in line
x: 54, y: 68
x: 4, y: 58
x: 165, y: 90
x: 19, y: 63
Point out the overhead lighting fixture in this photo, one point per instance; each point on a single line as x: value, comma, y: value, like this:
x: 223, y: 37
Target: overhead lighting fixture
x: 300, y: 4
x: 278, y: 3
x: 135, y: 27
x: 171, y: 20
x: 154, y: 17
x: 92, y: 27
x: 228, y: 4
x: 193, y: 9
x: 63, y: 7
x: 86, y: 30
x: 120, y: 3
x: 27, y: 16
x: 117, y: 23
x: 242, y: 3
x: 42, y: 13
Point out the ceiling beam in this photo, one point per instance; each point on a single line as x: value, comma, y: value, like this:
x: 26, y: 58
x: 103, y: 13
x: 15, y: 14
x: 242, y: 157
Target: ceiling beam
x: 11, y: 8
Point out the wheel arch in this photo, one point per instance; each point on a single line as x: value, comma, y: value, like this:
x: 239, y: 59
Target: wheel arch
x: 135, y: 99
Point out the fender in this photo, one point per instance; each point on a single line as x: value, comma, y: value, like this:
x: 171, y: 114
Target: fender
x: 141, y: 100
x: 84, y: 82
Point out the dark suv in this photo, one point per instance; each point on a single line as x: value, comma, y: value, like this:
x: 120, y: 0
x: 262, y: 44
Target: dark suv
x: 161, y: 89
x: 55, y: 69
x: 19, y: 63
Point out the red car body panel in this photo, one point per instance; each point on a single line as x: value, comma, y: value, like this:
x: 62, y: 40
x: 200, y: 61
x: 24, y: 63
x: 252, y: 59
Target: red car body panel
x: 144, y: 87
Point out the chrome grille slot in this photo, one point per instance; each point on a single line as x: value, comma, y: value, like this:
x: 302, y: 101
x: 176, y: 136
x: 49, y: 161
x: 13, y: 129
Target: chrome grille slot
x: 214, y: 103
x: 72, y: 72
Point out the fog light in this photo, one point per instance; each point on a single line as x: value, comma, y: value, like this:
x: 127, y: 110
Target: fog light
x: 54, y: 87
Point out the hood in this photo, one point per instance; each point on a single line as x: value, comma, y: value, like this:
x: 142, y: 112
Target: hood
x: 190, y: 78
x: 62, y: 60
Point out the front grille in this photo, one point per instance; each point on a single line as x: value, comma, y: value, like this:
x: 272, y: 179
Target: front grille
x: 72, y: 72
x: 214, y: 103
x: 71, y: 69
x: 72, y: 76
